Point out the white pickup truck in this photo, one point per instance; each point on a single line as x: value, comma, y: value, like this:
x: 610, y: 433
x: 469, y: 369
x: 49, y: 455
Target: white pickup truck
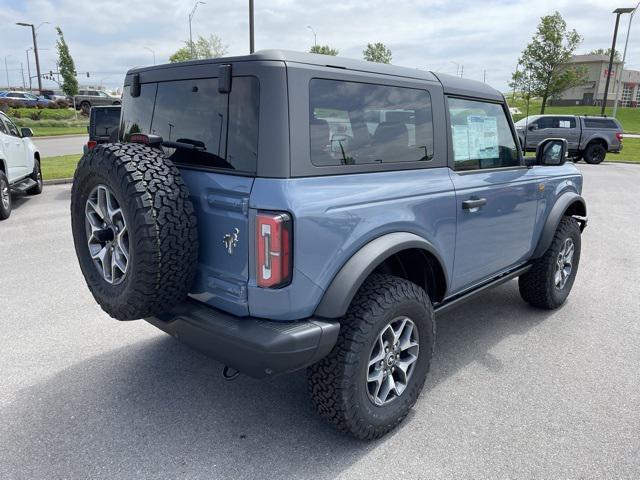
x: 19, y: 164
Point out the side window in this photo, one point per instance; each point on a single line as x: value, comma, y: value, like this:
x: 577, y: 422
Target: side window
x: 12, y: 129
x: 481, y: 135
x: 546, y: 122
x: 3, y: 127
x: 564, y: 122
x: 359, y: 123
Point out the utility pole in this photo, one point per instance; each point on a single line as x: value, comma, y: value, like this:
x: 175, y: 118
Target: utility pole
x: 461, y: 71
x: 251, y: 26
x: 613, y: 51
x: 484, y: 76
x: 35, y: 52
x: 24, y: 84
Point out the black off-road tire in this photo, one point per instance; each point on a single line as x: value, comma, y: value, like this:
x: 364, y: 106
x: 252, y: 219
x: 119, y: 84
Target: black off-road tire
x: 537, y: 286
x: 5, y: 212
x: 595, y: 153
x: 337, y: 384
x: 36, y: 176
x: 85, y: 108
x: 161, y: 222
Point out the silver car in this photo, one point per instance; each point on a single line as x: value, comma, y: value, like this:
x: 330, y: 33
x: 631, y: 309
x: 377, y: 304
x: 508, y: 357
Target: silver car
x: 85, y: 99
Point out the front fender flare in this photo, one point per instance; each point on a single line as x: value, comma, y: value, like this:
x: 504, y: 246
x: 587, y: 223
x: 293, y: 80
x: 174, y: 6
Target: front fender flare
x: 563, y: 203
x: 345, y: 284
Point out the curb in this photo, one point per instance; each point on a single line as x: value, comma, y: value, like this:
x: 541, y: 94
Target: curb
x: 58, y: 181
x: 626, y: 162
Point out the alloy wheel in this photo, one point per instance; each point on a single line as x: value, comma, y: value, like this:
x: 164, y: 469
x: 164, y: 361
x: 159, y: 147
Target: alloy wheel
x: 107, y: 234
x: 392, y: 360
x: 564, y: 264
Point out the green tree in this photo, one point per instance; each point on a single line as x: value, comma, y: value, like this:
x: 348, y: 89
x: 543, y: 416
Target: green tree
x: 377, y: 52
x: 203, y: 47
x: 606, y: 52
x: 66, y: 66
x: 324, y: 50
x: 543, y: 70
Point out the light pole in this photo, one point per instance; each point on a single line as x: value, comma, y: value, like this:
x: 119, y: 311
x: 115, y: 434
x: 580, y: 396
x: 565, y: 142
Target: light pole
x: 35, y: 50
x: 152, y: 53
x: 618, y: 12
x: 252, y: 46
x: 315, y: 38
x: 193, y: 12
x: 624, y: 57
x: 6, y: 69
x: 29, y: 68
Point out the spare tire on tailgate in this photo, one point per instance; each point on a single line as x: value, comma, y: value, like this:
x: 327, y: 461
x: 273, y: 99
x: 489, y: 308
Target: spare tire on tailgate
x: 134, y: 230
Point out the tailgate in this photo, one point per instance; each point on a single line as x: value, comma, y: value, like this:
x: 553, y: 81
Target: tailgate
x: 222, y: 209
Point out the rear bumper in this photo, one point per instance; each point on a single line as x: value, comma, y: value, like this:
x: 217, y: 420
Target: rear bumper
x: 257, y: 347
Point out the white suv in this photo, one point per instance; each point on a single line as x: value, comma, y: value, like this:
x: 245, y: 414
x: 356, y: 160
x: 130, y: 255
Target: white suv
x: 19, y: 164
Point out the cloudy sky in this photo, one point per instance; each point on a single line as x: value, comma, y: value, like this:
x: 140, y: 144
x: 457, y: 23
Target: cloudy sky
x: 110, y: 36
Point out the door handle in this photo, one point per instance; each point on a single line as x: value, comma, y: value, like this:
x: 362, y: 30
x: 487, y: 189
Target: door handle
x: 474, y: 203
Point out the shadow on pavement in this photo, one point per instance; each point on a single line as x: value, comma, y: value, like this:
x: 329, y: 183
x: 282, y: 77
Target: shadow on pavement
x: 157, y: 409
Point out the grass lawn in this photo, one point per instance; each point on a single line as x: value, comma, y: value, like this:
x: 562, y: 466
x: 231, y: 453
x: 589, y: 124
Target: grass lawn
x: 628, y: 117
x: 630, y: 151
x: 51, y: 131
x: 59, y: 167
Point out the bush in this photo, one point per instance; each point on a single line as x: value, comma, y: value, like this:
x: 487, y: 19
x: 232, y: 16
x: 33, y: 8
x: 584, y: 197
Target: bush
x: 52, y: 105
x: 35, y: 115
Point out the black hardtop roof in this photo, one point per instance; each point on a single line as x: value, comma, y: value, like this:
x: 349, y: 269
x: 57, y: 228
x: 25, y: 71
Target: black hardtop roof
x: 450, y: 83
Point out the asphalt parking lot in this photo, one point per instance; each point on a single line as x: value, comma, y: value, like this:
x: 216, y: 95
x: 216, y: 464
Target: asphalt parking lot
x: 513, y: 393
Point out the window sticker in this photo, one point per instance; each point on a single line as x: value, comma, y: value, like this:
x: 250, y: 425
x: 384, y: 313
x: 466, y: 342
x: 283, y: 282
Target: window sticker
x: 460, y: 135
x: 483, y: 137
x: 565, y: 124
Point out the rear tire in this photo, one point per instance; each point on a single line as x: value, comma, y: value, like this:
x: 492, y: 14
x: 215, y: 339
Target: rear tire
x: 5, y: 197
x: 36, y: 176
x: 595, y: 153
x: 135, y: 189
x: 341, y: 385
x: 548, y: 283
x: 85, y: 108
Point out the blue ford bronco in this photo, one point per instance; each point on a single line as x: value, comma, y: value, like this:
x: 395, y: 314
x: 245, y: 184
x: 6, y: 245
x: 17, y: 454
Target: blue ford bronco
x: 286, y: 210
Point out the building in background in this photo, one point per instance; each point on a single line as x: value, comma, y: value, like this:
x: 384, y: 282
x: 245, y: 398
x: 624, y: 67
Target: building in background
x: 592, y: 92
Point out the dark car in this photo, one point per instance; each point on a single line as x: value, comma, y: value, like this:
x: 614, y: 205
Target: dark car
x: 103, y: 126
x: 25, y: 99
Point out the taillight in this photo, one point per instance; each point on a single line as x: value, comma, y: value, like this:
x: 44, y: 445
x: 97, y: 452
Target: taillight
x: 139, y: 138
x: 619, y: 136
x: 273, y: 249
x: 91, y: 144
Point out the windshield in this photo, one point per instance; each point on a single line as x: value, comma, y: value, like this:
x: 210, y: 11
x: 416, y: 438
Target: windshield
x: 526, y: 120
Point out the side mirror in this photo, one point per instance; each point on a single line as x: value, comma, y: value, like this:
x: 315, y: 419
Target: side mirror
x: 552, y: 152
x: 26, y: 132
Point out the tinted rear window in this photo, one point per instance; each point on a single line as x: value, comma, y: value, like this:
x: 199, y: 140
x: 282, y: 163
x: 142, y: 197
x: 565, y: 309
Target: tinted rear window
x: 222, y: 127
x: 600, y: 123
x: 358, y: 123
x: 105, y: 121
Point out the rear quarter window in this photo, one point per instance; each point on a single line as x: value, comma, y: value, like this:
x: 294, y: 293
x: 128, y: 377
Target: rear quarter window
x: 600, y: 123
x: 358, y: 123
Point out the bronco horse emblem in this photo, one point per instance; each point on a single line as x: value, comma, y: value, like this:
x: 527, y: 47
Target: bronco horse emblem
x: 230, y: 240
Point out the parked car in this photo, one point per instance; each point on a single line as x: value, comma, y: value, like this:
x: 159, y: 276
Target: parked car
x: 278, y: 212
x: 589, y: 137
x: 54, y: 95
x: 85, y: 99
x: 103, y: 126
x: 25, y: 99
x: 19, y: 164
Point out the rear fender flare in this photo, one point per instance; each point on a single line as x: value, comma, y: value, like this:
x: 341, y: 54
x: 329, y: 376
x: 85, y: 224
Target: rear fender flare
x: 354, y: 272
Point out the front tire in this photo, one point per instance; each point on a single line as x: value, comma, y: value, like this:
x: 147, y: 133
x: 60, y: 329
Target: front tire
x: 36, y: 176
x: 548, y: 283
x: 5, y: 197
x: 373, y: 376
